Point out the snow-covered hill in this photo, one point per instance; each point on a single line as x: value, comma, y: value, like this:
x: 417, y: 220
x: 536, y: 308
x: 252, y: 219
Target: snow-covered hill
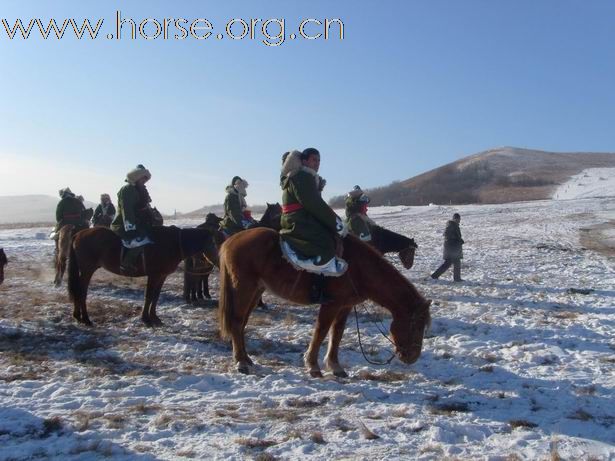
x: 519, y: 364
x: 593, y: 182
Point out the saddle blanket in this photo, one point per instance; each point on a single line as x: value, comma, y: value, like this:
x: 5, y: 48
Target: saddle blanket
x: 334, y: 268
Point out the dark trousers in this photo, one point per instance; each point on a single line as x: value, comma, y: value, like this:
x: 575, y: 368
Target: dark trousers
x: 456, y: 263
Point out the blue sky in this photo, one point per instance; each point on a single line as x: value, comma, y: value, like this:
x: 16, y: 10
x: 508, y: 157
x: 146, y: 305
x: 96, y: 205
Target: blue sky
x: 413, y: 85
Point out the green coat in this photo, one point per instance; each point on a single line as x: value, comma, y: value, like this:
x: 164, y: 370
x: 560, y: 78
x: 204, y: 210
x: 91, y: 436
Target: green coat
x: 103, y: 215
x: 311, y: 230
x: 70, y: 210
x: 358, y: 223
x: 130, y: 221
x: 233, y: 212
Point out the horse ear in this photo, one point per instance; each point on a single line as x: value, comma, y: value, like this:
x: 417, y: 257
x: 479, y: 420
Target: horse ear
x: 268, y: 204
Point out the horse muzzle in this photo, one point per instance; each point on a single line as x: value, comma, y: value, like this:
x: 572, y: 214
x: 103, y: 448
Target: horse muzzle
x: 408, y: 356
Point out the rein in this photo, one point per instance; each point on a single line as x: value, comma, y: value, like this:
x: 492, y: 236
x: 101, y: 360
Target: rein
x: 378, y: 326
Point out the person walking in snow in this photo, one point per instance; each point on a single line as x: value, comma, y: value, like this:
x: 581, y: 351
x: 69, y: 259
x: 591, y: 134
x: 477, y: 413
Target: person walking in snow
x: 453, y: 249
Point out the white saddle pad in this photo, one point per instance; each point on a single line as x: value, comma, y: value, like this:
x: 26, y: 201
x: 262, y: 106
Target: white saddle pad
x: 334, y: 268
x: 136, y: 243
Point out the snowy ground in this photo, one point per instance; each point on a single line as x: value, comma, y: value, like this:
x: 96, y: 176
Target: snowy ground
x: 593, y: 182
x: 516, y: 365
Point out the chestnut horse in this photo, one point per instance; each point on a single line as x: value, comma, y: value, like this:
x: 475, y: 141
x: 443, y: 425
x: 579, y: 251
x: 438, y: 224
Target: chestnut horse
x: 386, y: 241
x: 100, y: 247
x: 3, y: 262
x: 251, y: 261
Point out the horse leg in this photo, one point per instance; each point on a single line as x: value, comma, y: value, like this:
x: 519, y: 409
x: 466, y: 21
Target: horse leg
x: 245, y: 301
x: 335, y: 337
x: 155, y: 320
x: 199, y: 285
x: 80, y: 312
x: 206, y: 287
x: 152, y: 291
x: 326, y: 315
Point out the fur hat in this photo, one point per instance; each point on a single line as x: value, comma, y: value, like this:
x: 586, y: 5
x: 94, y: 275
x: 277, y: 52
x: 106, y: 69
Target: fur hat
x: 105, y: 197
x: 66, y: 192
x: 235, y: 180
x: 292, y: 163
x: 357, y: 194
x: 138, y: 173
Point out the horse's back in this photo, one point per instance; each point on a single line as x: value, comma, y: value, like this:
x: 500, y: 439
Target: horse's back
x: 251, y: 243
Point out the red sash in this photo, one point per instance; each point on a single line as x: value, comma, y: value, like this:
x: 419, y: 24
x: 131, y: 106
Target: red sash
x: 291, y: 208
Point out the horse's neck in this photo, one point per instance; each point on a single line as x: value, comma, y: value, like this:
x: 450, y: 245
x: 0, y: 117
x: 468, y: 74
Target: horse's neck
x: 387, y: 241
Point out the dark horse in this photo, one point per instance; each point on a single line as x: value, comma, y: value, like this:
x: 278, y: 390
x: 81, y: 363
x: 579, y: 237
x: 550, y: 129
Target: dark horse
x: 386, y: 241
x: 198, y: 268
x: 3, y: 262
x: 251, y: 261
x: 100, y: 247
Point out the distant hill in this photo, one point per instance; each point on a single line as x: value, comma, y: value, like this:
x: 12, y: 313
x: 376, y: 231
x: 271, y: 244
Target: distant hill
x: 501, y: 175
x: 30, y: 209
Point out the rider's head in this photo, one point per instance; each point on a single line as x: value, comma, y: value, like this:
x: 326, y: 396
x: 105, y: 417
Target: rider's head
x: 457, y: 218
x: 104, y: 198
x: 310, y: 158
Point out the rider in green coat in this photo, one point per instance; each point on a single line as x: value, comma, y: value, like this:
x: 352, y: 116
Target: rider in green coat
x: 135, y: 216
x: 309, y: 226
x: 356, y: 214
x: 70, y: 210
x: 236, y: 214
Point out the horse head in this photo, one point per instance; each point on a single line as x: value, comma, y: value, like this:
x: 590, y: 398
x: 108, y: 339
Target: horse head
x: 408, y: 332
x: 406, y: 256
x: 271, y: 217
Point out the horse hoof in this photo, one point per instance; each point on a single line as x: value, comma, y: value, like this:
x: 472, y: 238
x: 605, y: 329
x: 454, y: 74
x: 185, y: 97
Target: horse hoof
x: 315, y: 373
x: 147, y: 321
x: 157, y: 322
x: 340, y: 374
x: 243, y: 368
x: 87, y: 322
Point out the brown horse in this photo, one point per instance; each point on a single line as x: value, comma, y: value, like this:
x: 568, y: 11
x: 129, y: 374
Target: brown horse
x: 3, y: 262
x: 65, y: 237
x: 251, y: 261
x: 100, y: 247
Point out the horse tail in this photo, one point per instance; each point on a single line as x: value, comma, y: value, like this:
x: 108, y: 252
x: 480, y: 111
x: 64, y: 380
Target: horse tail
x: 74, y: 284
x: 225, y: 304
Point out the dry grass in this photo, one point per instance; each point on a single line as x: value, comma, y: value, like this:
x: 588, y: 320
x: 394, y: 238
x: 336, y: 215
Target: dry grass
x: 449, y: 408
x: 51, y: 425
x: 115, y: 421
x: 251, y: 442
x: 581, y: 415
x: 386, y: 376
x: 517, y: 423
x: 316, y: 437
x: 367, y: 432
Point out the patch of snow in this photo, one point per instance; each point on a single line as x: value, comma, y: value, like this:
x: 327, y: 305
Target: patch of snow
x: 515, y: 365
x: 592, y: 182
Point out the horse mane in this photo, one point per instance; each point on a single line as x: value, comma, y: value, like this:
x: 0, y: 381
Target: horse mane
x: 359, y: 253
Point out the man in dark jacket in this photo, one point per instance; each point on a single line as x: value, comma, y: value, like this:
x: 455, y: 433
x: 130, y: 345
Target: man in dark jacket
x: 453, y: 249
x: 311, y: 230
x: 104, y: 213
